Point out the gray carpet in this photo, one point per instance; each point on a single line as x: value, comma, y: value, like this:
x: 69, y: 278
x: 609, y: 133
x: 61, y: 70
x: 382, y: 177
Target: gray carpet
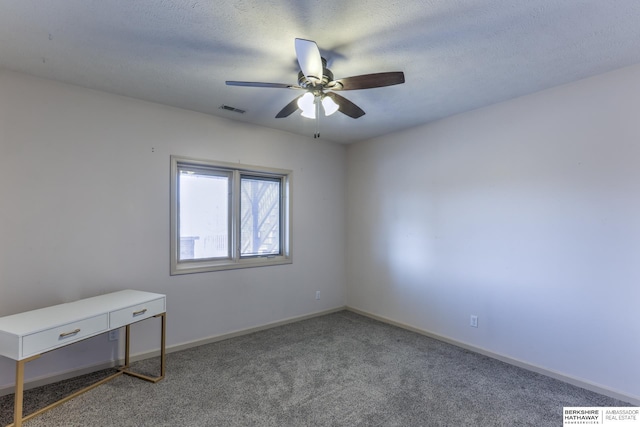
x: 341, y: 369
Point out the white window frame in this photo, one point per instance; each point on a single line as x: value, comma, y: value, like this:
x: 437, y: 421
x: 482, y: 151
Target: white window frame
x: 235, y: 261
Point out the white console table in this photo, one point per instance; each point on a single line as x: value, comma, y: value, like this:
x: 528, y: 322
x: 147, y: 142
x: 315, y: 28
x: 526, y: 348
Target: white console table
x: 26, y: 336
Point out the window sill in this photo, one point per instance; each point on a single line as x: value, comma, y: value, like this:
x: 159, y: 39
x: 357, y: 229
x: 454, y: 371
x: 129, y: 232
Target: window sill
x: 204, y: 267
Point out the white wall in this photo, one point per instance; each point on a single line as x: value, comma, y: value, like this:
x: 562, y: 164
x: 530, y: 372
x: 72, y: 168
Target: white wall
x: 84, y: 210
x: 526, y: 214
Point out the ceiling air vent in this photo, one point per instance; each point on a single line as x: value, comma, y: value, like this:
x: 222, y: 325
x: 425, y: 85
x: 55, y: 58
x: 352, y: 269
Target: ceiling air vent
x: 235, y: 110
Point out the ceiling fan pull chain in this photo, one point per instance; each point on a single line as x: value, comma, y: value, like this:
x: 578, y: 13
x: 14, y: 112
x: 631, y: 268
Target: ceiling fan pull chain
x: 317, y: 105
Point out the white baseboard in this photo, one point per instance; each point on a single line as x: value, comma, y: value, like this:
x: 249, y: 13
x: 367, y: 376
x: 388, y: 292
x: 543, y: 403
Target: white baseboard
x: 634, y: 400
x: 61, y: 376
x: 216, y: 338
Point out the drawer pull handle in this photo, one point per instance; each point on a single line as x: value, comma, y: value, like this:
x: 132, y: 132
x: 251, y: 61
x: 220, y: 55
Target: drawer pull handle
x: 139, y: 312
x: 68, y: 334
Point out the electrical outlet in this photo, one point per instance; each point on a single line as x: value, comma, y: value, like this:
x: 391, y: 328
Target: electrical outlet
x: 114, y: 335
x: 317, y: 294
x: 473, y: 321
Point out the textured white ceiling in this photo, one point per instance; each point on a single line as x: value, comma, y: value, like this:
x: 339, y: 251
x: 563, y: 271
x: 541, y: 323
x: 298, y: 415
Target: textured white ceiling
x: 457, y: 55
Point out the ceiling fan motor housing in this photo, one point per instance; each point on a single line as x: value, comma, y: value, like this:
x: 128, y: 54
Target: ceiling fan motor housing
x: 327, y: 78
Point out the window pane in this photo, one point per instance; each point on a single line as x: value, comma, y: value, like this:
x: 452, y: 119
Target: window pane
x: 203, y: 226
x: 259, y: 216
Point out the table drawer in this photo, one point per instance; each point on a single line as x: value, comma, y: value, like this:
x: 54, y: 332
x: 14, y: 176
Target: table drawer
x: 135, y: 313
x: 63, y: 335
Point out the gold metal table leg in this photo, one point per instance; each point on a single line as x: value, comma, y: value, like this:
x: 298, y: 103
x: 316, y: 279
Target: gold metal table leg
x: 125, y: 369
x: 17, y: 405
x: 19, y: 392
x: 127, y: 336
x: 163, y: 340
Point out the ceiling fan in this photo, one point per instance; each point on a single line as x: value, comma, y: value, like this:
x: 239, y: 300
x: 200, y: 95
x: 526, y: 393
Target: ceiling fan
x: 319, y: 85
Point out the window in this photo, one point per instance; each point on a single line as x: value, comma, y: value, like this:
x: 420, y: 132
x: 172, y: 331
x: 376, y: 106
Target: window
x: 226, y: 216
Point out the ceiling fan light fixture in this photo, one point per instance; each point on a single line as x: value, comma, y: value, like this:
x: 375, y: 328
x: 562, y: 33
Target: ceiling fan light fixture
x: 306, y: 102
x: 329, y: 106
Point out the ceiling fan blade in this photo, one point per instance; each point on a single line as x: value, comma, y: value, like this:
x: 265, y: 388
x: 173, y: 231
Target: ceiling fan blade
x: 345, y: 106
x: 260, y: 84
x: 367, y: 81
x: 309, y: 60
x: 289, y: 109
